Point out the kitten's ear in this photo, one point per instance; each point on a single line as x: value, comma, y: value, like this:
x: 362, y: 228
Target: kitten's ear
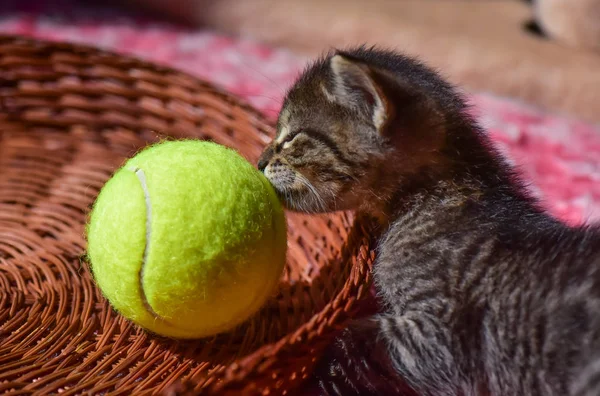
x: 354, y: 88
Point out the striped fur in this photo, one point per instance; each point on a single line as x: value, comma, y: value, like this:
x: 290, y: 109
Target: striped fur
x: 484, y: 292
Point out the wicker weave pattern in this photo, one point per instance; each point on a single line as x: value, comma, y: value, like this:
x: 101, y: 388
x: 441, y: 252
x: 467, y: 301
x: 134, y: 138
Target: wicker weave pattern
x: 69, y: 116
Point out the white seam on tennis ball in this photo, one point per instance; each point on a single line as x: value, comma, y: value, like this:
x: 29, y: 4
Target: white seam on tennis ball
x: 142, y: 178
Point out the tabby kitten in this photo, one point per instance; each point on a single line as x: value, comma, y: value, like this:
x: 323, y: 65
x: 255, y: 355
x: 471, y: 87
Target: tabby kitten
x: 484, y: 292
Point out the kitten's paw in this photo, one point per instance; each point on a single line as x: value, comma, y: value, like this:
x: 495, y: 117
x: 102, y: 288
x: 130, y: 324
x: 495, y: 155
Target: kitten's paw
x: 357, y: 363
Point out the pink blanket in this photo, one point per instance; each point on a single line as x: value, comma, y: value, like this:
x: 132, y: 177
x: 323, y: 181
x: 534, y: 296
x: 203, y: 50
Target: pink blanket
x: 558, y: 155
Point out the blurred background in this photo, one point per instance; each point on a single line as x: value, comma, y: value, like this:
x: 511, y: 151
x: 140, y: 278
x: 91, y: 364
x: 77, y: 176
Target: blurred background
x: 543, y: 51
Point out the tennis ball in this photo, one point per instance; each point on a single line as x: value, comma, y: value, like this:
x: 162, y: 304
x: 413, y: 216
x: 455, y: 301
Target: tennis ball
x: 187, y: 239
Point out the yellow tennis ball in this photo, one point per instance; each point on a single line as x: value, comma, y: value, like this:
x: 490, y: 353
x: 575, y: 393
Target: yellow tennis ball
x: 187, y: 239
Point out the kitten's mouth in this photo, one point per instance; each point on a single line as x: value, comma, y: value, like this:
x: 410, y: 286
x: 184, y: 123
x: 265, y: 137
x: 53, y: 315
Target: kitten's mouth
x: 281, y: 179
x: 286, y: 190
x: 295, y: 191
x: 289, y: 198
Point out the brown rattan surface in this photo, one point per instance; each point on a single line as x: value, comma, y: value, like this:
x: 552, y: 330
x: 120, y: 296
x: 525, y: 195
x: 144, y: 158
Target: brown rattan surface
x: 69, y: 116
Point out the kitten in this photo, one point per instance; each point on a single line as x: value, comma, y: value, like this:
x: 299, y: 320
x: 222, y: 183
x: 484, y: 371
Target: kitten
x: 484, y: 292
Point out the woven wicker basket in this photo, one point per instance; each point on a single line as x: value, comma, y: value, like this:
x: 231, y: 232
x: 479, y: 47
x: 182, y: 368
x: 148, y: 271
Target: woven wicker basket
x: 69, y: 116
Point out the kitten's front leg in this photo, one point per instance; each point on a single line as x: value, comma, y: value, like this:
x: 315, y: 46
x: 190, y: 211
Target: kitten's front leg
x: 357, y: 364
x: 420, y: 348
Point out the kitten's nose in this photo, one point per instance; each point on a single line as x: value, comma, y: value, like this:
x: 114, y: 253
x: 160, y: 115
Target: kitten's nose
x: 264, y: 159
x: 262, y: 164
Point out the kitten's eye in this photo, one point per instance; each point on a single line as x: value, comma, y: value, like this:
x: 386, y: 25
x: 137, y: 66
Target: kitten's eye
x: 289, y: 142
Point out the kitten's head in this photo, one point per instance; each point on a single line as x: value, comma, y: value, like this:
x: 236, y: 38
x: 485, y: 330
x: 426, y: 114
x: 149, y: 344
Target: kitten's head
x: 353, y: 125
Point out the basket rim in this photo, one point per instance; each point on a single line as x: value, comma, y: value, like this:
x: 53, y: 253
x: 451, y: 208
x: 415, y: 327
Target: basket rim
x: 133, y: 60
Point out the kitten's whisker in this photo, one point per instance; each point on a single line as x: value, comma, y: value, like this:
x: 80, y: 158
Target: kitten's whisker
x: 316, y: 196
x: 269, y: 79
x: 273, y: 98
